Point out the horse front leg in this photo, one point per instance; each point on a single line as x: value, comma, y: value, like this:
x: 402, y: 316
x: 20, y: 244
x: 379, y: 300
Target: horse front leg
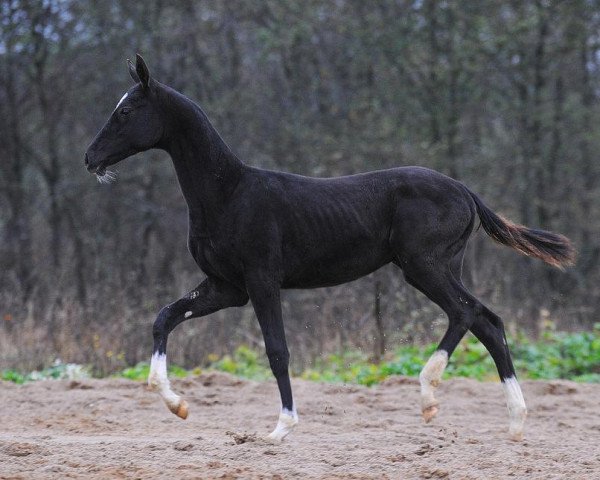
x: 210, y: 296
x: 265, y: 297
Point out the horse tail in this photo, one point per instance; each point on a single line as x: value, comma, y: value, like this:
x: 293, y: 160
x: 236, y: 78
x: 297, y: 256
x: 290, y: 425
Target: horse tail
x: 553, y: 248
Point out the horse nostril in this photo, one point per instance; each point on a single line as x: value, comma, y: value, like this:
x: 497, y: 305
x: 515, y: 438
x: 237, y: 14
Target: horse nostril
x: 85, y: 160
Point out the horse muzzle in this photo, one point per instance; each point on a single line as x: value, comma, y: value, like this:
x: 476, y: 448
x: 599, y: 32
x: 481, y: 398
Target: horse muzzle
x: 92, y: 165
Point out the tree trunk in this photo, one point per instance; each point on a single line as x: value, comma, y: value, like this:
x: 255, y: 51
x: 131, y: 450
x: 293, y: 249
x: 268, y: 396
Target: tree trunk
x: 379, y: 350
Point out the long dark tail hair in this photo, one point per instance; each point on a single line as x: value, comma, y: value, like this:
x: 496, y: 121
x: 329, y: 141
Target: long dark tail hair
x: 552, y: 248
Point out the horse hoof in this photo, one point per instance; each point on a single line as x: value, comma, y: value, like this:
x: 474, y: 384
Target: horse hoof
x: 181, y: 410
x: 516, y: 436
x: 273, y: 440
x: 286, y: 423
x: 429, y: 413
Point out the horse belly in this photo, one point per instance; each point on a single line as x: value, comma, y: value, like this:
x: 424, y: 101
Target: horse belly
x: 323, y: 267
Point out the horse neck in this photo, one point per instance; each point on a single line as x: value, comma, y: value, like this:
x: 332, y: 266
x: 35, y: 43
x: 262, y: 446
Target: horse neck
x: 206, y: 168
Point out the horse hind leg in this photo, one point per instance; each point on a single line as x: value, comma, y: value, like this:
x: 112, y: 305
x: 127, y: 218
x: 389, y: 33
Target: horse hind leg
x: 430, y: 378
x: 466, y: 312
x: 489, y: 329
x: 431, y: 375
x: 438, y: 284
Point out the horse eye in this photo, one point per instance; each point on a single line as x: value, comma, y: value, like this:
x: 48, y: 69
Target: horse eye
x: 125, y: 111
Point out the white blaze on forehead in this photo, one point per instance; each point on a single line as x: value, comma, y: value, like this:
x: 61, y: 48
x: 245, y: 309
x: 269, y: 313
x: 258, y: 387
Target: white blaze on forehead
x: 122, y: 98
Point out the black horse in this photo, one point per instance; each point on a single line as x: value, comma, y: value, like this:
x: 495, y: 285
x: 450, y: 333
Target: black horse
x: 254, y: 232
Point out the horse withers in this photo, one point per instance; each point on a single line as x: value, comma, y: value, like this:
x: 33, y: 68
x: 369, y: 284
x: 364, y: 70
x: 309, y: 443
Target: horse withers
x: 254, y: 232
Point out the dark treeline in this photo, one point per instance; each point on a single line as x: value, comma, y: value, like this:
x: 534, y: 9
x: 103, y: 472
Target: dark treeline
x: 502, y: 95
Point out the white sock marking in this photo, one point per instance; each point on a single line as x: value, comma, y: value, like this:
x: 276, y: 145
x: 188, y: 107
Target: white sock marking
x: 517, y: 410
x: 430, y: 377
x: 288, y: 419
x: 159, y: 381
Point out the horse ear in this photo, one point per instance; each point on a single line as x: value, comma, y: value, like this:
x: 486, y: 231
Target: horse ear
x: 142, y: 70
x: 132, y: 72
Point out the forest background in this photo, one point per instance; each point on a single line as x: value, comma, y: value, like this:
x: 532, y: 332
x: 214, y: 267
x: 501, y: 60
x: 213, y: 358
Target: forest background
x: 502, y: 95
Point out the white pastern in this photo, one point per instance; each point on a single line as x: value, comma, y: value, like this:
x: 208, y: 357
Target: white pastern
x: 430, y: 378
x: 517, y: 410
x: 122, y: 98
x: 159, y: 382
x: 288, y: 419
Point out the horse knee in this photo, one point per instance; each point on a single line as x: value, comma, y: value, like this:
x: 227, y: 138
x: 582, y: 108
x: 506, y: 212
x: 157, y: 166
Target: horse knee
x: 159, y: 326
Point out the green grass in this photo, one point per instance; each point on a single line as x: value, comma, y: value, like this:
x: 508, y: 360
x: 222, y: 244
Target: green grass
x: 573, y: 356
x: 245, y: 363
x: 58, y: 371
x: 140, y: 372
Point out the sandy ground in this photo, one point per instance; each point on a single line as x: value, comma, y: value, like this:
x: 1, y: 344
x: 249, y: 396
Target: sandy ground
x: 117, y: 429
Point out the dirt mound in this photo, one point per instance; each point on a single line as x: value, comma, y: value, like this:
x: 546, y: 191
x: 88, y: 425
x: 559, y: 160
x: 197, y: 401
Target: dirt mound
x: 117, y: 429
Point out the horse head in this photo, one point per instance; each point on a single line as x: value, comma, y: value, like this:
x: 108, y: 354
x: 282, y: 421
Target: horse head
x: 134, y: 126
